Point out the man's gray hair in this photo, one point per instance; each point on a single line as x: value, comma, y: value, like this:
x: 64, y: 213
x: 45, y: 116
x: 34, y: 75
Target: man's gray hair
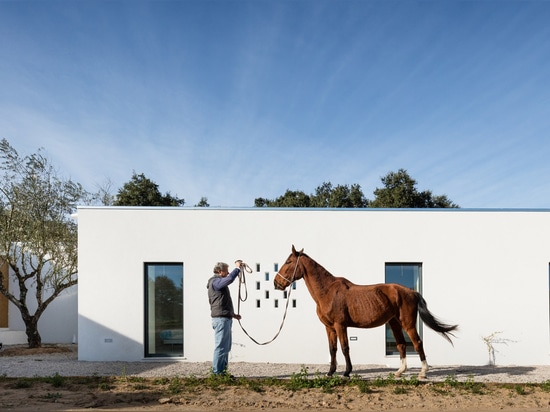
x: 220, y: 266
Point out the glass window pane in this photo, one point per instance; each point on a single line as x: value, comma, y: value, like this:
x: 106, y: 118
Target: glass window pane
x: 163, y: 309
x: 409, y: 275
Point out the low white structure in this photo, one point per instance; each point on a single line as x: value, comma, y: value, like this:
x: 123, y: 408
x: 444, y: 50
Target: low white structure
x: 143, y: 275
x: 58, y: 323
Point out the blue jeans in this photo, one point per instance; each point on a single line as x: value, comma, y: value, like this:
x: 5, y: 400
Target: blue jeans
x: 222, y: 343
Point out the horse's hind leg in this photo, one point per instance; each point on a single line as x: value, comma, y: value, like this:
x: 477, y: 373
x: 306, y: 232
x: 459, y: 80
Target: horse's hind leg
x: 419, y: 347
x: 397, y: 330
x: 332, y: 347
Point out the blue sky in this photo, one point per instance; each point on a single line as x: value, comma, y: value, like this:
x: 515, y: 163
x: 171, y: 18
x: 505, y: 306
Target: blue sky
x: 234, y: 100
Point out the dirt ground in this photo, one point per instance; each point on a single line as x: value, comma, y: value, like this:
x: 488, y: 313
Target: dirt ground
x: 127, y: 393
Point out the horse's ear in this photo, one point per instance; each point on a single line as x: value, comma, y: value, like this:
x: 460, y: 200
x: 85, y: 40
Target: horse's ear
x: 296, y: 253
x: 293, y: 250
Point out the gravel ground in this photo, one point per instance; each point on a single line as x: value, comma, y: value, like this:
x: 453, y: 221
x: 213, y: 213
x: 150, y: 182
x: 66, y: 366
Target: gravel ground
x: 67, y: 364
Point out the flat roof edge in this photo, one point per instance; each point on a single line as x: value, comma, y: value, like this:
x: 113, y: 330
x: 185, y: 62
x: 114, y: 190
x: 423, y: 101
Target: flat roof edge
x: 319, y: 209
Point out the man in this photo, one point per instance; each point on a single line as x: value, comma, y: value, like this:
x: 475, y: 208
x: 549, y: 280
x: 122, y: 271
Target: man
x: 221, y: 310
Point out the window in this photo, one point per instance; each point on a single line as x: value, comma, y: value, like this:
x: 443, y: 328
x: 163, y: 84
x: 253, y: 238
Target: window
x: 163, y: 309
x: 275, y: 267
x: 267, y: 276
x: 409, y: 275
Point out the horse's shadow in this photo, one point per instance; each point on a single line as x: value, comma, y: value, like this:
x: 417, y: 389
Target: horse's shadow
x: 460, y: 373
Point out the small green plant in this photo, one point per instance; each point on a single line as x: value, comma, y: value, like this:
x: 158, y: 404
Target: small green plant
x: 400, y: 390
x: 545, y: 386
x: 175, y: 386
x: 299, y: 380
x: 363, y: 386
x: 135, y: 379
x: 23, y: 383
x: 255, y: 385
x: 520, y: 390
x: 160, y: 381
x: 326, y: 383
x: 53, y: 396
x: 452, y: 381
x: 105, y: 386
x: 217, y: 380
x: 474, y: 387
x: 56, y: 380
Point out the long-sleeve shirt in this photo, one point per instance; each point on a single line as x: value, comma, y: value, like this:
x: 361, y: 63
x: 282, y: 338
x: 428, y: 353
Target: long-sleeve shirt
x: 219, y: 297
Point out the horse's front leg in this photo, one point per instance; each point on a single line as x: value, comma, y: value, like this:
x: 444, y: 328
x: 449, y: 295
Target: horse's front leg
x: 342, y: 333
x: 332, y: 347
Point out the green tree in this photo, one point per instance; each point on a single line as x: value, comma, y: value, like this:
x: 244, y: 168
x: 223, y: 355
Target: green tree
x: 400, y: 191
x: 203, y: 202
x: 38, y: 237
x: 291, y: 198
x: 325, y: 196
x: 341, y: 196
x: 141, y: 191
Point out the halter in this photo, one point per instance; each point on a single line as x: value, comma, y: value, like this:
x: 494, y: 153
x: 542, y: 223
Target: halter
x: 291, y: 281
x: 243, y: 281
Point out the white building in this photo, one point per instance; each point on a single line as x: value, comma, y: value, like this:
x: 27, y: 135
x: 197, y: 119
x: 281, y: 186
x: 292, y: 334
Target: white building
x: 143, y: 274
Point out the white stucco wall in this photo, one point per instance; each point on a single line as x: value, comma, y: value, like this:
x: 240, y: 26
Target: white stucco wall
x: 488, y: 271
x: 58, y: 323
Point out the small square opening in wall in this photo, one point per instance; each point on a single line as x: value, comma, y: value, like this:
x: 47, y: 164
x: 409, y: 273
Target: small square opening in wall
x: 267, y: 294
x: 275, y: 267
x: 285, y: 294
x: 267, y: 276
x: 276, y: 302
x: 293, y: 303
x: 257, y: 267
x: 257, y: 285
x: 258, y: 303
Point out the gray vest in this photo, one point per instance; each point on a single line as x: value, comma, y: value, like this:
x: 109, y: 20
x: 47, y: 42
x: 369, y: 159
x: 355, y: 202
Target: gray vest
x: 221, y: 305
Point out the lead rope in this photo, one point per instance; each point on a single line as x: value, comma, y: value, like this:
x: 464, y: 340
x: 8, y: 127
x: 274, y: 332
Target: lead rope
x: 242, y: 281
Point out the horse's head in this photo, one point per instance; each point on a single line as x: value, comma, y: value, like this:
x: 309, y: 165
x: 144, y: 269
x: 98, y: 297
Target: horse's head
x: 290, y: 271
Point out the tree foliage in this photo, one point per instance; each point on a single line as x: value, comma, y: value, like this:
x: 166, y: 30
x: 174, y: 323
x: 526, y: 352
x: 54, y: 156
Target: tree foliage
x: 399, y: 191
x: 325, y: 196
x: 203, y: 202
x: 38, y: 237
x: 141, y: 191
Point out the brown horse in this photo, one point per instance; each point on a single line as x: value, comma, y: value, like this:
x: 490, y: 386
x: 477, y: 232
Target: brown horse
x: 342, y: 304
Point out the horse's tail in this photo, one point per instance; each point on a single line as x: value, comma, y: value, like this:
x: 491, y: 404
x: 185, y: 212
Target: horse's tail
x: 433, y: 323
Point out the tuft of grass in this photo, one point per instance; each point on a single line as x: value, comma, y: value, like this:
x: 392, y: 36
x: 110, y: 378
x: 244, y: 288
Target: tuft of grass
x: 56, y: 380
x: 53, y: 396
x: 175, y: 385
x: 452, y: 381
x: 400, y: 390
x: 23, y: 383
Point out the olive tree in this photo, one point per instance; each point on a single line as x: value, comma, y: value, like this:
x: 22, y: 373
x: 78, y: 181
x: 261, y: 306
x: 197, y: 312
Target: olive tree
x: 38, y: 237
